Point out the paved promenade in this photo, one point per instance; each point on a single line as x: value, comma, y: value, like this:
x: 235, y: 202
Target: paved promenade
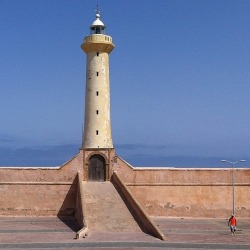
x: 52, y: 233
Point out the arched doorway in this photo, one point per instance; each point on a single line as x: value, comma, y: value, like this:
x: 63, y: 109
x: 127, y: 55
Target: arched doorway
x: 97, y: 168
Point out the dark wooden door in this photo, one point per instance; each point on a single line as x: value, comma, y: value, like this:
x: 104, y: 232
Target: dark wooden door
x: 97, y: 168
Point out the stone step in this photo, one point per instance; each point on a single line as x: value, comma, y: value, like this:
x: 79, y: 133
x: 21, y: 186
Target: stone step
x: 106, y: 210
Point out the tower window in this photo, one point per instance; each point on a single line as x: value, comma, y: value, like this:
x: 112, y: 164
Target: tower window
x: 98, y: 30
x: 97, y: 93
x: 97, y: 53
x: 97, y: 112
x: 97, y: 73
x: 96, y: 132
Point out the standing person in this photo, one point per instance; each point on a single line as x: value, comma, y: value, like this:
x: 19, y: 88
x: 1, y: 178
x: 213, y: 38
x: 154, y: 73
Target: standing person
x: 232, y: 224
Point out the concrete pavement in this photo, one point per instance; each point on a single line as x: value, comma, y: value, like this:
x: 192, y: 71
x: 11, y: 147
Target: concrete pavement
x: 40, y: 233
x: 207, y: 233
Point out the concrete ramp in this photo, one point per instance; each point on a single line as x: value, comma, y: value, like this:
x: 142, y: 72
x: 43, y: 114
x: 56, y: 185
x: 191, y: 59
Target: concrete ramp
x: 105, y: 209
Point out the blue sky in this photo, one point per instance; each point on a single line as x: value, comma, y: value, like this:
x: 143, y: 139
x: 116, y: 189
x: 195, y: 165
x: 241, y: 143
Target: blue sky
x: 180, y: 75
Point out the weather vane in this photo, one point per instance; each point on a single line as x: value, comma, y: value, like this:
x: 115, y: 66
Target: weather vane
x: 97, y: 9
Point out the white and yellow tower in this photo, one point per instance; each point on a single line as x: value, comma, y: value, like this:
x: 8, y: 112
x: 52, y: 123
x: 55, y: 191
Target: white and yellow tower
x: 97, y: 125
x: 97, y: 145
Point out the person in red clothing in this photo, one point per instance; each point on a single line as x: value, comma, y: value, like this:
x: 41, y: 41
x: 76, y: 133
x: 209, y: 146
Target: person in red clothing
x: 232, y: 223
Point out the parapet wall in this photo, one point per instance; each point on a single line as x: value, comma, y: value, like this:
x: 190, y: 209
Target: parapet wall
x: 39, y: 191
x: 160, y: 191
x: 189, y: 192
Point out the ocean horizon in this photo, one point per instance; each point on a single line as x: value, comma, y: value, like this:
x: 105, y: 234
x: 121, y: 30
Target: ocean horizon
x: 54, y: 156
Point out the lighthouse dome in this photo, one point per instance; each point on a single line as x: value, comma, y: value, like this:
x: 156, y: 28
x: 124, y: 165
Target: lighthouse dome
x: 97, y: 22
x: 97, y: 26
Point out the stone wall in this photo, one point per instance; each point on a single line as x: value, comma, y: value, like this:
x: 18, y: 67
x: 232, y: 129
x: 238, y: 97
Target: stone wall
x: 39, y: 191
x: 161, y: 191
x: 188, y: 192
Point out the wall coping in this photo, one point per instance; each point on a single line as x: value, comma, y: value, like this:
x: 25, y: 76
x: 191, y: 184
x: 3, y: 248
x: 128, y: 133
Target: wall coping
x: 186, y: 169
x: 36, y: 183
x: 185, y: 184
x: 30, y: 168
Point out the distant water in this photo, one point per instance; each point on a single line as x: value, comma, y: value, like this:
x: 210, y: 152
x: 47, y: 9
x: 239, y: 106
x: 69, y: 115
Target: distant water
x: 182, y: 161
x: 37, y: 156
x: 58, y: 155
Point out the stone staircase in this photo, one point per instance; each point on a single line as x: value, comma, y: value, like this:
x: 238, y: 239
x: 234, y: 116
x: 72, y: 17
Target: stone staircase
x: 105, y: 209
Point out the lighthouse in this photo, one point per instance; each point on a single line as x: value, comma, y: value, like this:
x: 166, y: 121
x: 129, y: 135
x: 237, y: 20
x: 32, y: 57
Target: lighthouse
x: 97, y: 146
x: 97, y: 124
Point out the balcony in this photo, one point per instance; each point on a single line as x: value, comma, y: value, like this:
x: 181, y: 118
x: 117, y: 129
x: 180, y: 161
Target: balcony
x: 98, y: 38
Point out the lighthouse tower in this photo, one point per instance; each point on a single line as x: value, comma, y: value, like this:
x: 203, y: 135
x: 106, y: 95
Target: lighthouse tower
x: 97, y: 127
x: 97, y: 142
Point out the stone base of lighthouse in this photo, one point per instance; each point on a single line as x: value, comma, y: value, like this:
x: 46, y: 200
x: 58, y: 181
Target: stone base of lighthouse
x: 98, y: 164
